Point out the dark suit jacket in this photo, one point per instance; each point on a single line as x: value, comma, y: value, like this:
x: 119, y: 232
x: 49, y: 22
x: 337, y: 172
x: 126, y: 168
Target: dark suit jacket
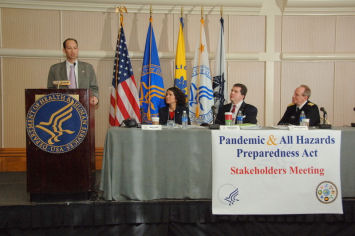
x: 86, y: 76
x: 292, y: 117
x: 249, y: 111
x: 164, y: 115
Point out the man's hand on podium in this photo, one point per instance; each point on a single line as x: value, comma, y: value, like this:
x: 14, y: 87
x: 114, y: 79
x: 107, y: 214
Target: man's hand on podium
x: 93, y: 100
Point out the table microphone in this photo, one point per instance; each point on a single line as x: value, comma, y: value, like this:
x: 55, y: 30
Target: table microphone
x: 324, y: 124
x: 213, y: 125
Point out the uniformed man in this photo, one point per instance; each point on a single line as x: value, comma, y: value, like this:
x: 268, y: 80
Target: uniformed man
x: 301, y: 103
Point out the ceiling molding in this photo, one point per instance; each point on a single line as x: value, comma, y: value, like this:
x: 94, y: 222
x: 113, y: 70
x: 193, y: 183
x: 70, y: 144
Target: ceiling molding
x: 320, y: 3
x: 230, y: 7
x: 319, y: 7
x: 100, y: 54
x: 317, y: 56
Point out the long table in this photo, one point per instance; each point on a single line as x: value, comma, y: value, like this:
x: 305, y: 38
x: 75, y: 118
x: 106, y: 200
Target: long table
x: 177, y: 164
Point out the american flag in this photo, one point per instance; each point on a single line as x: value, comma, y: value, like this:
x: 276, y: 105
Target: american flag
x: 124, y: 93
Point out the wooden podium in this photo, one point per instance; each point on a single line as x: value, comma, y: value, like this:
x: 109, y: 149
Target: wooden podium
x: 65, y: 171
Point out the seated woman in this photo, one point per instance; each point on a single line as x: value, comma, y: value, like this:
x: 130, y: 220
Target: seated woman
x: 176, y: 104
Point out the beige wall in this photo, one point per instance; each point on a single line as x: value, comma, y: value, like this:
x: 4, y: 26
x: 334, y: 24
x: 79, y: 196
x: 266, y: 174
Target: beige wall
x: 331, y: 81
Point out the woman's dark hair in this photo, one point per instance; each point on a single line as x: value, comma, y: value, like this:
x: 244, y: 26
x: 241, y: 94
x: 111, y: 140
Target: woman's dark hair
x: 179, y: 96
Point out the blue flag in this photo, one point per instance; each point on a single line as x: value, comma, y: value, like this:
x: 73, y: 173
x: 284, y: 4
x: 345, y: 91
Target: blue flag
x: 151, y: 95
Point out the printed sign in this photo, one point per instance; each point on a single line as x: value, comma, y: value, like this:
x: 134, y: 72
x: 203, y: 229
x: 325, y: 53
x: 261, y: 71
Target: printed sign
x: 276, y: 172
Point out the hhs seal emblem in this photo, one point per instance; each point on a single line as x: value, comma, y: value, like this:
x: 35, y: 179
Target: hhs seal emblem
x: 57, y: 123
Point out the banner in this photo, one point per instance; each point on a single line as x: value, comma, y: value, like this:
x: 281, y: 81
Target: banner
x: 124, y: 93
x: 276, y: 172
x: 151, y: 94
x: 219, y: 80
x: 180, y: 80
x: 201, y: 93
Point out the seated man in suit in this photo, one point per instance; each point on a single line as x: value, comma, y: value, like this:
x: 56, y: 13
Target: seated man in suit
x: 301, y: 103
x: 237, y: 96
x: 79, y: 73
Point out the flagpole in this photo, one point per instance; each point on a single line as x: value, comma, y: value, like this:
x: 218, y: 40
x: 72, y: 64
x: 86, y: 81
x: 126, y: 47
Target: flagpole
x: 120, y: 12
x: 220, y: 38
x: 150, y: 59
x: 198, y: 74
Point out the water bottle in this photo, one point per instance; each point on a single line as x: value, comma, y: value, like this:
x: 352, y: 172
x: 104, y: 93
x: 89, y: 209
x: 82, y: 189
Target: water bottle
x: 302, y: 116
x: 184, y: 120
x: 240, y: 117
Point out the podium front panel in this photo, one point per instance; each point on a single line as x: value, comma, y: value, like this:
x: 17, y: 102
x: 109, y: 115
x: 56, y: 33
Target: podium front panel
x: 60, y: 141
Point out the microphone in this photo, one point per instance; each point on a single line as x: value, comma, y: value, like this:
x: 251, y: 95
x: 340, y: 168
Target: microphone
x: 324, y: 124
x: 214, y: 125
x: 323, y: 110
x: 141, y: 111
x: 213, y: 108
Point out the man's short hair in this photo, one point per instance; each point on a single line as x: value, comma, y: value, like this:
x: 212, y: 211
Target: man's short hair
x: 243, y: 88
x: 65, y: 42
x: 307, y: 90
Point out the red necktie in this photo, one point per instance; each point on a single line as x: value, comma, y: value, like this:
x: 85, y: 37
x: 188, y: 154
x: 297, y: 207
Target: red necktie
x: 233, y: 110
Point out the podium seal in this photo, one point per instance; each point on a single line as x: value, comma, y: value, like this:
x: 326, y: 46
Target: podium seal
x: 57, y: 123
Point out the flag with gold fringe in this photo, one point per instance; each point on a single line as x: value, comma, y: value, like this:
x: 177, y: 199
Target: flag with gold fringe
x: 201, y: 93
x: 124, y: 93
x: 220, y: 78
x: 151, y: 94
x: 180, y: 80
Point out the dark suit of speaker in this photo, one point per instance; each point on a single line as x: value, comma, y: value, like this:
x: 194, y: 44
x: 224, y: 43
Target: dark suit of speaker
x: 249, y: 111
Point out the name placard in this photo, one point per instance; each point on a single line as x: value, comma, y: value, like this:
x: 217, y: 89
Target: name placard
x: 151, y: 127
x: 227, y: 127
x: 293, y: 127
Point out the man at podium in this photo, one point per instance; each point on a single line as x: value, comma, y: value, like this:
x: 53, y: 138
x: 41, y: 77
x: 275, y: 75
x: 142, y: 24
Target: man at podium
x: 80, y: 74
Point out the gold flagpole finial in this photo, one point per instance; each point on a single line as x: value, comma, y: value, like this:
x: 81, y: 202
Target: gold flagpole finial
x: 121, y: 10
x: 151, y: 11
x: 182, y: 11
x: 221, y: 11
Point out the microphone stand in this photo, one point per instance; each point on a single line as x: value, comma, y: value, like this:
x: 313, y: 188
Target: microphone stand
x: 353, y: 124
x: 214, y: 125
x: 139, y: 125
x: 324, y: 125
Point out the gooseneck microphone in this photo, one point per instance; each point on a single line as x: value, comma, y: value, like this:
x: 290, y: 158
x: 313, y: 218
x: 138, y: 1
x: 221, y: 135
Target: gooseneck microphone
x: 324, y: 114
x: 213, y: 108
x: 142, y: 112
x: 323, y: 110
x: 324, y: 124
x: 214, y: 125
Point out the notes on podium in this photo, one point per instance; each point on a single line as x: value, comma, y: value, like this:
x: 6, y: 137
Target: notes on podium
x: 59, y: 83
